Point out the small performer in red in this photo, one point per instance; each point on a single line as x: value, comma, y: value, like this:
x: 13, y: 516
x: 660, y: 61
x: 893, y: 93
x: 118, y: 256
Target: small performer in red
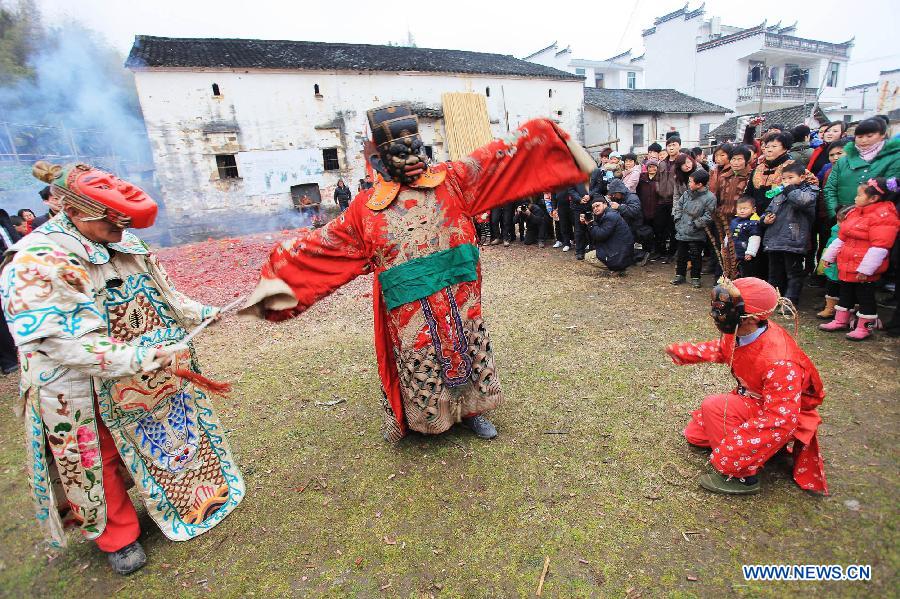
x: 414, y: 230
x: 774, y: 403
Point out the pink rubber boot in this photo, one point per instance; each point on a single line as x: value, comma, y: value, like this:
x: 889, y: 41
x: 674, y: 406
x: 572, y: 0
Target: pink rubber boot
x: 841, y: 320
x: 864, y: 327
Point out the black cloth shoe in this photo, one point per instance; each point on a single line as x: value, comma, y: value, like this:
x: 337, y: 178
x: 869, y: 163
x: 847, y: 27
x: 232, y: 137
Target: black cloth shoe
x: 678, y: 280
x: 481, y: 426
x: 10, y: 369
x: 579, y: 256
x: 128, y: 559
x: 719, y: 483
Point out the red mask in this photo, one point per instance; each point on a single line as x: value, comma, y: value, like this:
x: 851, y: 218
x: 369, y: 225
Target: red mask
x: 126, y: 205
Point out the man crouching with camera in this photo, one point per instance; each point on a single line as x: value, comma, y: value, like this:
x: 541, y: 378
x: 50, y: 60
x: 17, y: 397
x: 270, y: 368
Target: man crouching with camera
x: 610, y: 236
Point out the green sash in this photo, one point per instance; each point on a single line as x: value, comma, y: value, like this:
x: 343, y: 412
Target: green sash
x: 421, y: 277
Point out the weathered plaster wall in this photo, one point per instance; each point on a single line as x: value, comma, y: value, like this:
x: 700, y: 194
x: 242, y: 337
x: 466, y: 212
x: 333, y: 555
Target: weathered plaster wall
x: 267, y: 118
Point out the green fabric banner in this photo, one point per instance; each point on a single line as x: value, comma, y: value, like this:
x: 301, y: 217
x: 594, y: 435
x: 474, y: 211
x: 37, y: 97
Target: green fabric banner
x: 421, y: 277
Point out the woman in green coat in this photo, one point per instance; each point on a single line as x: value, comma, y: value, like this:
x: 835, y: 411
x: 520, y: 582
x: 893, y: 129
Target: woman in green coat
x: 870, y: 155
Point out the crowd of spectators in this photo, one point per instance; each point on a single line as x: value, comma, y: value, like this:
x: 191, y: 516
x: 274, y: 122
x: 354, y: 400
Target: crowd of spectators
x: 766, y: 206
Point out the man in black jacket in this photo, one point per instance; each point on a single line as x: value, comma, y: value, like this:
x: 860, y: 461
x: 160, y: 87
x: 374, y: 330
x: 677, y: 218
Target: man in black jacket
x: 628, y: 205
x: 533, y: 213
x: 503, y: 224
x: 581, y: 217
x: 611, y: 237
x: 52, y: 203
x: 562, y: 215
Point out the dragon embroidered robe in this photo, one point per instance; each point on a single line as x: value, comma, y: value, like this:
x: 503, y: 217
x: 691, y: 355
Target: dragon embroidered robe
x: 433, y: 349
x: 87, y: 319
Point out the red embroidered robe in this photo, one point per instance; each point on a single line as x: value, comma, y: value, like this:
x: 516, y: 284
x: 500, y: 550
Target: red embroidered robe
x: 434, y: 353
x: 784, y: 383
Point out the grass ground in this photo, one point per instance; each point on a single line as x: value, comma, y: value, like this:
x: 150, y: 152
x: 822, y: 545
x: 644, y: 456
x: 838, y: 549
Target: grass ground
x: 590, y: 469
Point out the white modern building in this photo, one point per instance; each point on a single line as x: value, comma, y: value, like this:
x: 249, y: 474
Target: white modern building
x: 630, y: 120
x: 250, y: 126
x: 744, y: 69
x: 622, y: 71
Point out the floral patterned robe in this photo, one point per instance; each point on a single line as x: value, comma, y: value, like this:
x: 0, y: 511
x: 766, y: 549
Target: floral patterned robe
x: 434, y: 353
x: 87, y: 319
x: 784, y: 387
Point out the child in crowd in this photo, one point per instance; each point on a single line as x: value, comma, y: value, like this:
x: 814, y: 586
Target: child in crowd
x: 613, y: 167
x: 788, y: 224
x: 631, y: 172
x: 692, y: 213
x: 28, y: 216
x: 830, y: 271
x: 653, y: 152
x: 19, y: 225
x: 745, y: 235
x: 861, y: 252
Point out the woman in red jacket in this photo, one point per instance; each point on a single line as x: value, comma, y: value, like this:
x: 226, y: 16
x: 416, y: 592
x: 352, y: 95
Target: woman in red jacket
x: 861, y: 252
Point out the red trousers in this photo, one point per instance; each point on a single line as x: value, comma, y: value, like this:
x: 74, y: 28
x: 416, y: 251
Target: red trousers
x: 122, y: 528
x: 707, y: 425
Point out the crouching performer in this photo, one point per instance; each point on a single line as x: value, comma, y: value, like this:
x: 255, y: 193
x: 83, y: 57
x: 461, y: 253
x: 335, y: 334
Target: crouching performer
x: 414, y: 230
x: 94, y: 317
x: 774, y: 402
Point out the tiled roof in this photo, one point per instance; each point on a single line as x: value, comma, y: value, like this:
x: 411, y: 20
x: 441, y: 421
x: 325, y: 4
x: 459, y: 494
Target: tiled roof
x: 788, y: 117
x: 166, y: 52
x: 647, y: 100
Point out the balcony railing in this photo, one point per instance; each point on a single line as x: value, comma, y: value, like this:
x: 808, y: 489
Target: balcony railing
x: 777, y: 93
x: 799, y: 44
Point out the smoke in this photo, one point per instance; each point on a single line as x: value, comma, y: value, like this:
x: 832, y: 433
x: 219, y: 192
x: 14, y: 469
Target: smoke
x: 77, y: 103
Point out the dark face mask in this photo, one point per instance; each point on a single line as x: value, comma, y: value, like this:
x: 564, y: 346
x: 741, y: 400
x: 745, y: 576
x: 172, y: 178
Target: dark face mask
x: 404, y: 159
x: 726, y: 309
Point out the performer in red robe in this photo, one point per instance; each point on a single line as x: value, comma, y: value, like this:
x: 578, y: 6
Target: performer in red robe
x: 414, y: 230
x: 774, y: 403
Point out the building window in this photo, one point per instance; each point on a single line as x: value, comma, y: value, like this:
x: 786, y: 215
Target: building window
x: 487, y: 92
x: 598, y: 81
x: 550, y: 93
x: 833, y: 69
x: 637, y: 135
x: 794, y: 76
x: 632, y: 79
x: 216, y: 92
x: 429, y: 151
x: 848, y: 118
x: 579, y: 71
x: 227, y: 165
x: 704, y: 131
x: 755, y: 74
x: 316, y: 90
x: 330, y: 159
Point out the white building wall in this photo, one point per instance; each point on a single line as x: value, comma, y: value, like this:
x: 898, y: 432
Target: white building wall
x: 670, y: 56
x: 264, y: 111
x: 888, y: 92
x: 601, y: 126
x: 720, y: 72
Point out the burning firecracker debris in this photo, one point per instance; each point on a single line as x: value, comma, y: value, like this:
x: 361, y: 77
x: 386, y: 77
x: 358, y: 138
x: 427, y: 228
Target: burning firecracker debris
x: 217, y: 271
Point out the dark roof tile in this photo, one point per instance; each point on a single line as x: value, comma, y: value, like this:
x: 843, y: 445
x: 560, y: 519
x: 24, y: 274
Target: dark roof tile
x: 166, y: 52
x: 788, y: 117
x: 647, y: 100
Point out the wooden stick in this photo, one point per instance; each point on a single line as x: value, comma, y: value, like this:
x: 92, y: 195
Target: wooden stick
x: 543, y: 576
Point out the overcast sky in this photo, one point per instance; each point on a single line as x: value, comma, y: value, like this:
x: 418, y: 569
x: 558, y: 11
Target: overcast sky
x: 594, y: 30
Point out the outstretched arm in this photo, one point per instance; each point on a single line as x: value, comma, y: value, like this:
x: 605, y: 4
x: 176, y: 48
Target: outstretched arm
x: 301, y: 271
x: 697, y: 353
x: 536, y: 157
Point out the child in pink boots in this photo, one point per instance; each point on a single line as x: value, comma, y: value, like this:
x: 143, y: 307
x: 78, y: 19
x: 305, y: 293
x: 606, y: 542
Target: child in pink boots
x: 861, y: 253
